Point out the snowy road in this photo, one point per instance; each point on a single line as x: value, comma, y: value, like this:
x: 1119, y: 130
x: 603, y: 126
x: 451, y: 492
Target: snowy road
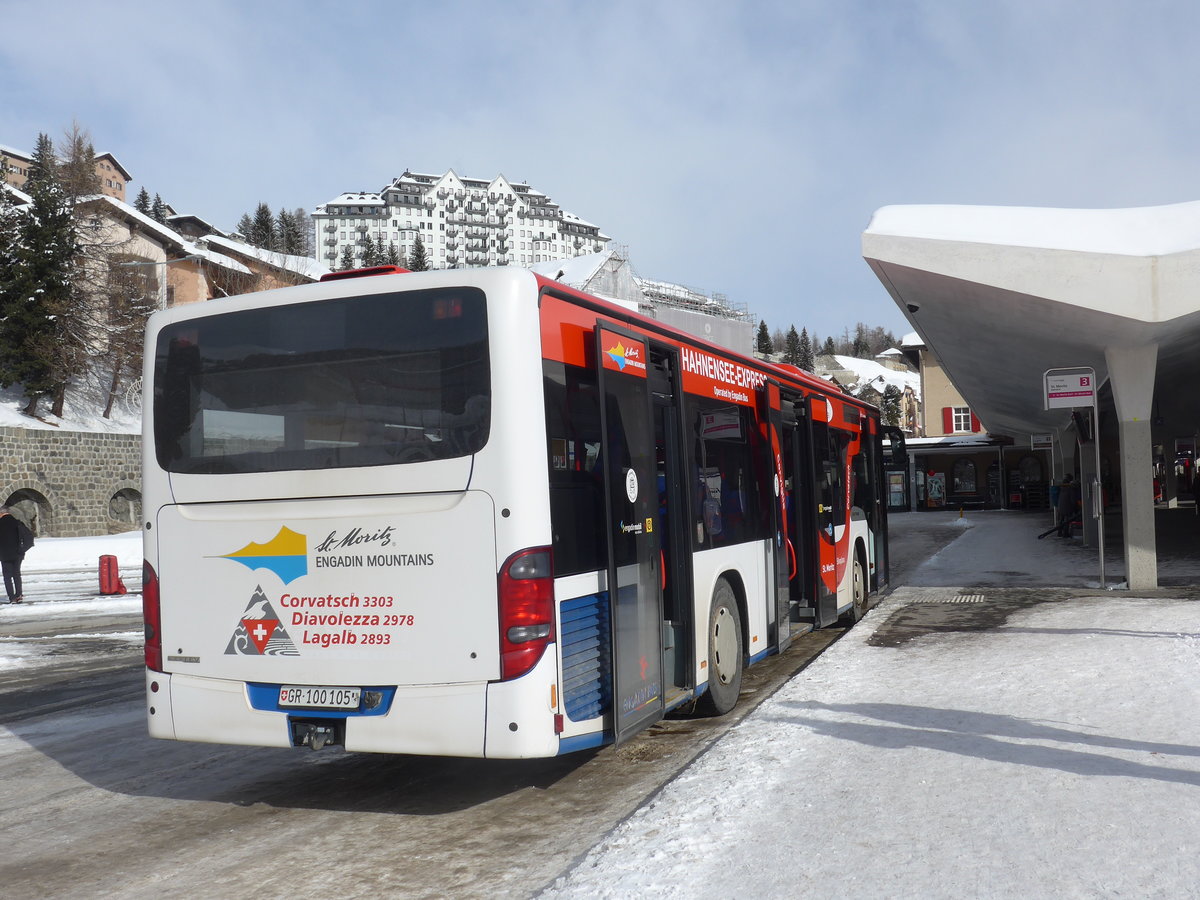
x: 88, y: 799
x: 90, y: 806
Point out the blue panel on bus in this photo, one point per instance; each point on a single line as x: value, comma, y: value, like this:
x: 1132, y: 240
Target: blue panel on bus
x: 266, y: 697
x: 587, y: 657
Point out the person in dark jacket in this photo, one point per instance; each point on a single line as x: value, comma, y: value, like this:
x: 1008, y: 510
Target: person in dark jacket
x: 15, y: 539
x: 1068, y: 505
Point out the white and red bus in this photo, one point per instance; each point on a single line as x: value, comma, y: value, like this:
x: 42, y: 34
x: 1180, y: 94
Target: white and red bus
x: 477, y: 513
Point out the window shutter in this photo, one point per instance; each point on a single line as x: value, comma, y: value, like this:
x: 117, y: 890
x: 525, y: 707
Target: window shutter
x: 948, y: 419
x: 975, y: 426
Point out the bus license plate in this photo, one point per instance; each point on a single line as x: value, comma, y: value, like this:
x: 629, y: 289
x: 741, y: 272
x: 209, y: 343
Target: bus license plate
x: 319, y: 697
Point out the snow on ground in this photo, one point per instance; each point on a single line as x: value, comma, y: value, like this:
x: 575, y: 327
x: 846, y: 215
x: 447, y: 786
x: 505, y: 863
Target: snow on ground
x: 49, y: 554
x: 61, y: 581
x: 1012, y: 557
x: 82, y: 410
x: 1055, y: 754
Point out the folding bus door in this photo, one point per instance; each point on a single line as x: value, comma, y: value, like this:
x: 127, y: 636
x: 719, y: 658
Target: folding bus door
x: 784, y: 557
x: 631, y: 506
x: 829, y: 496
x: 800, y: 506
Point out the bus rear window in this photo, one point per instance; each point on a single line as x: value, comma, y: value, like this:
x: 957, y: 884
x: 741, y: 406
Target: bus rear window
x: 357, y: 381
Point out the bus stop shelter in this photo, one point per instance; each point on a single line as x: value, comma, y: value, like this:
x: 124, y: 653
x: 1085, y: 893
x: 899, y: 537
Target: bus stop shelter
x: 1003, y: 294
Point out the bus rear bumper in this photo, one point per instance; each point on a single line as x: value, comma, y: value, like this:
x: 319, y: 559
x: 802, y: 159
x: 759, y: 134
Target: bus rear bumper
x: 210, y: 710
x: 509, y: 720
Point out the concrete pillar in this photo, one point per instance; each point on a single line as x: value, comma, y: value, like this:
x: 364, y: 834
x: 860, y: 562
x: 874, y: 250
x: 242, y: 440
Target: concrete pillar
x: 1131, y: 374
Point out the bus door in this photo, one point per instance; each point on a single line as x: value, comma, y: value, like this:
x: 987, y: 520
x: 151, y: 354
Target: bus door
x: 631, y: 506
x: 783, y: 551
x: 829, y: 501
x: 675, y: 549
x: 801, y: 507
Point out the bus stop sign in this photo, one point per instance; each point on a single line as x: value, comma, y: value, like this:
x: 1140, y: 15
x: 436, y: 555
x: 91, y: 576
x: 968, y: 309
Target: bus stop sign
x: 1068, y: 388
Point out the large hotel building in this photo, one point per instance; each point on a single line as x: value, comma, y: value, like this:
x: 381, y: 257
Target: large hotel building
x: 461, y: 222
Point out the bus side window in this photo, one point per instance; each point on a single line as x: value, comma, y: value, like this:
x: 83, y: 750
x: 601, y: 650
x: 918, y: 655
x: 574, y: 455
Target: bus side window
x: 732, y: 502
x: 576, y: 476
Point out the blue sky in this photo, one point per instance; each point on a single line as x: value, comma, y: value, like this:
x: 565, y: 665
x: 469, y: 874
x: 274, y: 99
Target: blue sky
x: 734, y: 147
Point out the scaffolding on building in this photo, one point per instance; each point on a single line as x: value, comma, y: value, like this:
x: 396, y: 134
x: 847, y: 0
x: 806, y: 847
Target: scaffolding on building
x: 678, y: 296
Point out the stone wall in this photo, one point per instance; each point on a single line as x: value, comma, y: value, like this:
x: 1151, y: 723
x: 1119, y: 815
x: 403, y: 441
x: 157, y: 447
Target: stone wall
x: 72, y: 483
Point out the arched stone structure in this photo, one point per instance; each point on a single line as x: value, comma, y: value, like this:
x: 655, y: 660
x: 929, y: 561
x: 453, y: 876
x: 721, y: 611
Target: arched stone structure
x: 31, y: 506
x: 68, y: 480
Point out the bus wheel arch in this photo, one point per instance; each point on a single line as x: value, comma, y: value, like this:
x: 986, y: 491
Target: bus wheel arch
x: 859, y: 591
x: 725, y: 645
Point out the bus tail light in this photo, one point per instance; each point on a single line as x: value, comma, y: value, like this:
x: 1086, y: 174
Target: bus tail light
x: 364, y: 273
x: 526, y: 610
x: 152, y: 617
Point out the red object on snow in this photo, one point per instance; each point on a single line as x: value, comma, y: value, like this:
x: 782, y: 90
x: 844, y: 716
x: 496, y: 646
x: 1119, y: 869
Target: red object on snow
x: 110, y: 577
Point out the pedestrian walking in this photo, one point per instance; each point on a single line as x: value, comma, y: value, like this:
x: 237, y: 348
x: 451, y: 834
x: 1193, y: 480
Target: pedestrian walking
x: 1068, y: 505
x: 15, y: 540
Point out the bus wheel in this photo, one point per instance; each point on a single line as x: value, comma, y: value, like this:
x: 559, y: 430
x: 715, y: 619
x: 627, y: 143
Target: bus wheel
x: 724, y: 652
x: 858, y: 585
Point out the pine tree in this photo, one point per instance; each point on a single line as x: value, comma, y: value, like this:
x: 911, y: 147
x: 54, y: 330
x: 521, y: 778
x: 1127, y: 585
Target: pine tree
x: 290, y: 233
x: 38, y: 287
x: 890, y: 407
x: 10, y: 245
x: 807, y: 362
x: 829, y: 349
x: 791, y: 354
x: 158, y: 210
x: 245, y: 226
x: 142, y: 203
x: 763, y: 342
x: 262, y: 230
x: 347, y: 260
x: 304, y: 226
x: 370, y: 251
x: 860, y: 348
x: 392, y: 257
x: 416, y: 259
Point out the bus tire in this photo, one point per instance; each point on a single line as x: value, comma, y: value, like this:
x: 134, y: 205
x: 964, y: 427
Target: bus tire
x: 858, y: 590
x: 725, y: 652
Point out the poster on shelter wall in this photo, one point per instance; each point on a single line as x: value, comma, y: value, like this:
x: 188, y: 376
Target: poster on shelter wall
x: 935, y: 487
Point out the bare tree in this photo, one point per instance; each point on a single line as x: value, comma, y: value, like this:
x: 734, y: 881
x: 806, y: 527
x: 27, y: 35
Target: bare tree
x: 130, y: 295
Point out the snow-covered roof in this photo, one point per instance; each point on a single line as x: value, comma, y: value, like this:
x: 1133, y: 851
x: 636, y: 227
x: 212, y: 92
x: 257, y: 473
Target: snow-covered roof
x: 219, y: 259
x: 575, y: 220
x: 356, y: 198
x: 962, y: 440
x: 168, y: 235
x: 1137, y: 231
x: 578, y: 272
x: 575, y: 271
x: 145, y: 222
x: 116, y: 162
x: 890, y: 353
x: 186, y: 217
x: 13, y: 151
x: 19, y: 197
x: 912, y: 339
x: 301, y: 265
x: 876, y: 375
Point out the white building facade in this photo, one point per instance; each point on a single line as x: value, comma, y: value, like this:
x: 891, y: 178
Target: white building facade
x: 460, y: 221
